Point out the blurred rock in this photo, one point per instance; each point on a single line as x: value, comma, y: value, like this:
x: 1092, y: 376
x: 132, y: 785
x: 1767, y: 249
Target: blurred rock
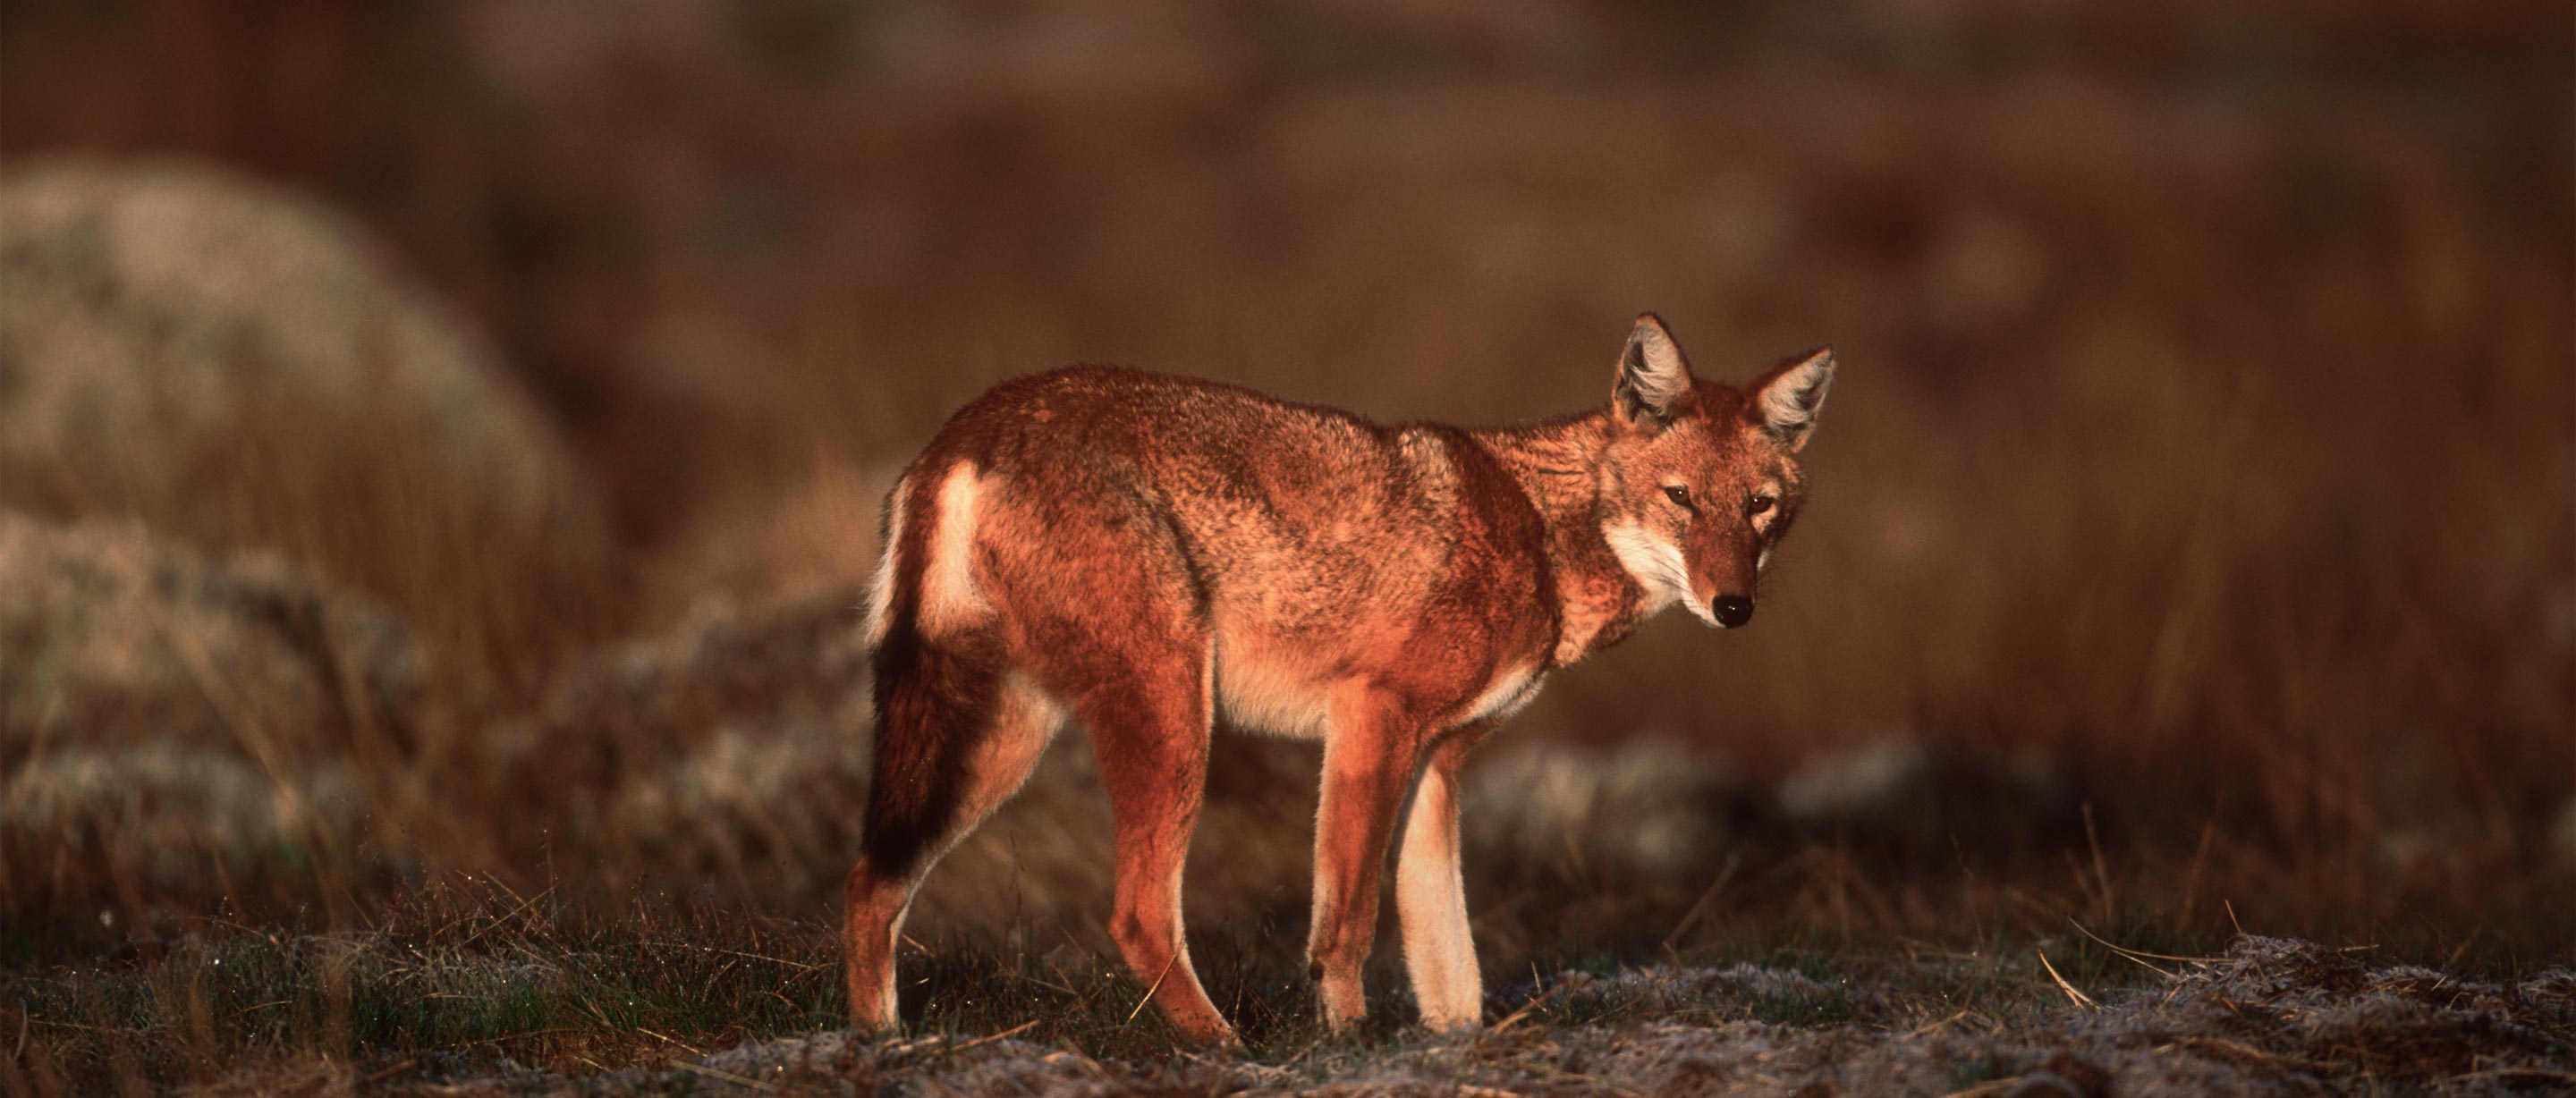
x: 1649, y: 809
x: 653, y: 694
x: 1886, y: 780
x: 234, y: 365
x: 718, y: 720
x: 157, y: 705
x: 1900, y: 797
x: 156, y: 810
x: 110, y: 637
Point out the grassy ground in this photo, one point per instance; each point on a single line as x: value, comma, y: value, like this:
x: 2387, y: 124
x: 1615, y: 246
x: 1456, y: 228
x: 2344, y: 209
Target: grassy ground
x: 440, y: 446
x: 479, y: 991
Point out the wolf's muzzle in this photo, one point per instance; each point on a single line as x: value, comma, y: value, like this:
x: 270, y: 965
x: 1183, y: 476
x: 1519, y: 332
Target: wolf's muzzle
x: 1732, y: 610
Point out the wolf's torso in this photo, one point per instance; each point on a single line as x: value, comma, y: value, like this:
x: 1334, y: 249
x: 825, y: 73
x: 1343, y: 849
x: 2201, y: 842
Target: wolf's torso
x: 1312, y: 547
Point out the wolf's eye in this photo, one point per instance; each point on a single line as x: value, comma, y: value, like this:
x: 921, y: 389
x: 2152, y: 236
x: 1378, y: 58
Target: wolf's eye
x: 1678, y: 494
x: 1757, y: 505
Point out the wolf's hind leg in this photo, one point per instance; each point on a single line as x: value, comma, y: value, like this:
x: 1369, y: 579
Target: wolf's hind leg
x: 957, y: 735
x: 1149, y: 729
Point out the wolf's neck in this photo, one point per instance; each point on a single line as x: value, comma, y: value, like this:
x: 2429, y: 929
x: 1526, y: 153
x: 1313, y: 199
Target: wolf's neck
x: 1558, y: 465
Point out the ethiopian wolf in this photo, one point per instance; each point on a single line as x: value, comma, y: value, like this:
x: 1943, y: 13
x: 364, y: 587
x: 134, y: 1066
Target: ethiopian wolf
x: 1142, y: 552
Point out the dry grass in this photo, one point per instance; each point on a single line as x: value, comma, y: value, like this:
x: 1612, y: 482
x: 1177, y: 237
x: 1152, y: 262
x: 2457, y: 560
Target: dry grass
x: 2193, y: 545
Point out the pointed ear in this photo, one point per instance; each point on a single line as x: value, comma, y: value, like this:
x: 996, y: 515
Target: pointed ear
x: 1785, y: 401
x: 1654, y: 378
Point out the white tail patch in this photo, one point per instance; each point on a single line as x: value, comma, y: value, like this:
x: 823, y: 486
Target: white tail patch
x: 948, y: 592
x: 881, y: 585
x: 1656, y: 563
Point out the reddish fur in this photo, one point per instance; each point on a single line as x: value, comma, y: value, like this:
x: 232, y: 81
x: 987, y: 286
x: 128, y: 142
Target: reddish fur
x: 1133, y: 528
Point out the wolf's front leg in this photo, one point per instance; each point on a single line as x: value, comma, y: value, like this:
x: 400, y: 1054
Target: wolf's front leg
x: 1431, y: 896
x: 1369, y: 758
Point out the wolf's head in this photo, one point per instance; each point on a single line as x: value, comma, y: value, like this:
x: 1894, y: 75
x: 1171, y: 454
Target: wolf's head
x: 1700, y: 481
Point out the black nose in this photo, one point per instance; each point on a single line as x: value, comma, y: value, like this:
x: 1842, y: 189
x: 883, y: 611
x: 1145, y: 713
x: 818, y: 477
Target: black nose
x: 1732, y: 610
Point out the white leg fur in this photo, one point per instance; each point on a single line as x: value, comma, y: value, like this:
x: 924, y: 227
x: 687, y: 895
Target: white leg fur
x: 1431, y: 905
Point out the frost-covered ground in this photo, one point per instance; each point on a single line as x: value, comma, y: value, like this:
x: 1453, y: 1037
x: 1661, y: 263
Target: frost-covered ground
x: 2270, y: 1016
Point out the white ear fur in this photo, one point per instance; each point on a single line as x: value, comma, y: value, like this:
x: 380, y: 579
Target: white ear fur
x: 1653, y: 375
x: 1790, y: 397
